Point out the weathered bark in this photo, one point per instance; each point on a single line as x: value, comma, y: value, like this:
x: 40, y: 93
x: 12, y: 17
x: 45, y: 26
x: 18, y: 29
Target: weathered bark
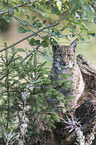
x: 89, y: 74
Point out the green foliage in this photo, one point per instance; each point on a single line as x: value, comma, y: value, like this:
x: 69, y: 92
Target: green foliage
x: 22, y: 30
x: 27, y: 99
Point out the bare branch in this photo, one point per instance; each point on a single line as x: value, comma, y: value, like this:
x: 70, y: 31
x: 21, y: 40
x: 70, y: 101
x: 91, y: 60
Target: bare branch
x: 20, y: 5
x: 46, y: 27
x: 30, y: 36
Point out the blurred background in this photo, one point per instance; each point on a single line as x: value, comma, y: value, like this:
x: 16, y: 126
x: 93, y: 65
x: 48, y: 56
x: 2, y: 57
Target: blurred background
x: 9, y: 34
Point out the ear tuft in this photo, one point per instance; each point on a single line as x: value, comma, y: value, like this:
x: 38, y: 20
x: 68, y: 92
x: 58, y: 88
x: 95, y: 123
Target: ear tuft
x: 55, y: 46
x: 73, y: 45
